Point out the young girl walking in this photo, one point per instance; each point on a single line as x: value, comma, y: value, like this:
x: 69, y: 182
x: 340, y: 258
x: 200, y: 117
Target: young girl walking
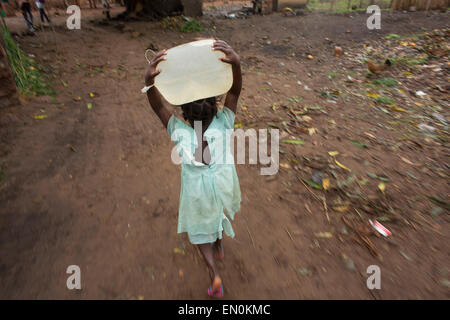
x: 210, y: 192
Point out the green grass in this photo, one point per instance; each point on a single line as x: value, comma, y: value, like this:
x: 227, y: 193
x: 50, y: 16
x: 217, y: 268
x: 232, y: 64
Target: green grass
x: 413, y: 36
x: 27, y: 73
x: 332, y: 75
x: 385, y: 100
x: 388, y: 82
x: 178, y: 23
x: 192, y: 26
x: 410, y: 61
x: 393, y: 36
x: 341, y: 6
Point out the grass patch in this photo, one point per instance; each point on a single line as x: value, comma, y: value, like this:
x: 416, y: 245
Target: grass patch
x: 392, y: 36
x: 410, y: 61
x: 414, y: 36
x: 192, y: 26
x: 385, y: 100
x: 332, y: 75
x: 418, y: 61
x: 182, y: 24
x: 342, y: 6
x: 27, y: 73
x: 388, y: 82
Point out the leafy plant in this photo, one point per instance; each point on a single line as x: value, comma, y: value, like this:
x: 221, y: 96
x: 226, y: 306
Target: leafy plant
x: 171, y: 22
x: 178, y: 23
x: 192, y: 25
x: 27, y: 73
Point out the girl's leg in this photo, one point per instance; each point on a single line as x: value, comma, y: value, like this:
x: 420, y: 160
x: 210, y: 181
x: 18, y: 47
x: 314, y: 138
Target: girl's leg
x: 218, y: 248
x: 207, y: 252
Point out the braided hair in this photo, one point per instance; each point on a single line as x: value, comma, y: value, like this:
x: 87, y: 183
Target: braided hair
x: 202, y: 110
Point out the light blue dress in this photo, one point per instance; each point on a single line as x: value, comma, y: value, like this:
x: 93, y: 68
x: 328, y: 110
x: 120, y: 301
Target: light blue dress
x: 210, y: 194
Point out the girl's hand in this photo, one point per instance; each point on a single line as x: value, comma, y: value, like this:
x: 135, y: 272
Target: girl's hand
x: 231, y: 57
x: 152, y: 72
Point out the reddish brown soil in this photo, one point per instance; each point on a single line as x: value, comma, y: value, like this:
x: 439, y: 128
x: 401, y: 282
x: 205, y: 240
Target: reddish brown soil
x: 96, y: 188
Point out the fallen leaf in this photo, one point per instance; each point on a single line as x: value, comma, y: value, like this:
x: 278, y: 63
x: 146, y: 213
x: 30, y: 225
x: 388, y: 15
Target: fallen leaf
x: 326, y: 184
x: 293, y: 141
x: 313, y: 184
x: 372, y: 175
x: 333, y: 153
x: 363, y: 182
x: 342, y: 166
x: 398, y: 109
x: 325, y: 235
x: 42, y: 116
x: 311, y: 131
x: 370, y: 135
x: 382, y: 186
x: 405, y: 256
x: 407, y: 161
x: 359, y: 144
x: 71, y: 147
x: 178, y: 250
x: 341, y: 208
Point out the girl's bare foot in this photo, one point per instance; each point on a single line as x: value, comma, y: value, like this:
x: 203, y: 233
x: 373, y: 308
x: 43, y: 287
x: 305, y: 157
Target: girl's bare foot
x: 216, y: 289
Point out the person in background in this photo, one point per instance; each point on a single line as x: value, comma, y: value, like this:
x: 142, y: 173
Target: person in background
x: 92, y: 4
x: 41, y: 6
x: 106, y: 7
x: 27, y: 15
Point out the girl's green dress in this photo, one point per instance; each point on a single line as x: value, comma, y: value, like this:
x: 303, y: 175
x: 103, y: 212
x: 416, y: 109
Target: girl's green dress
x: 210, y: 194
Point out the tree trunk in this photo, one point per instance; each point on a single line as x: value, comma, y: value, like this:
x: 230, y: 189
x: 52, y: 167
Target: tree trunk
x: 155, y: 9
x: 158, y: 9
x: 192, y: 8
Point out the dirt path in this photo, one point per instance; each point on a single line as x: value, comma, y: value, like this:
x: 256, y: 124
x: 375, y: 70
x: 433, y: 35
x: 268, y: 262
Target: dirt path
x: 96, y: 187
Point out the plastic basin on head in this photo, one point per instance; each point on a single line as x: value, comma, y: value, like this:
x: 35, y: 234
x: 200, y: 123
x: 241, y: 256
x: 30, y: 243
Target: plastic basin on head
x: 193, y: 71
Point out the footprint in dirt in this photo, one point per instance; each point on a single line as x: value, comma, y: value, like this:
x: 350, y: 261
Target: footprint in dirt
x: 159, y: 208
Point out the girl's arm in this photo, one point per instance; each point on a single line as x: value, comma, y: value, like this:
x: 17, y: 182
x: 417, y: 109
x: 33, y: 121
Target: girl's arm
x: 232, y: 58
x: 153, y: 95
